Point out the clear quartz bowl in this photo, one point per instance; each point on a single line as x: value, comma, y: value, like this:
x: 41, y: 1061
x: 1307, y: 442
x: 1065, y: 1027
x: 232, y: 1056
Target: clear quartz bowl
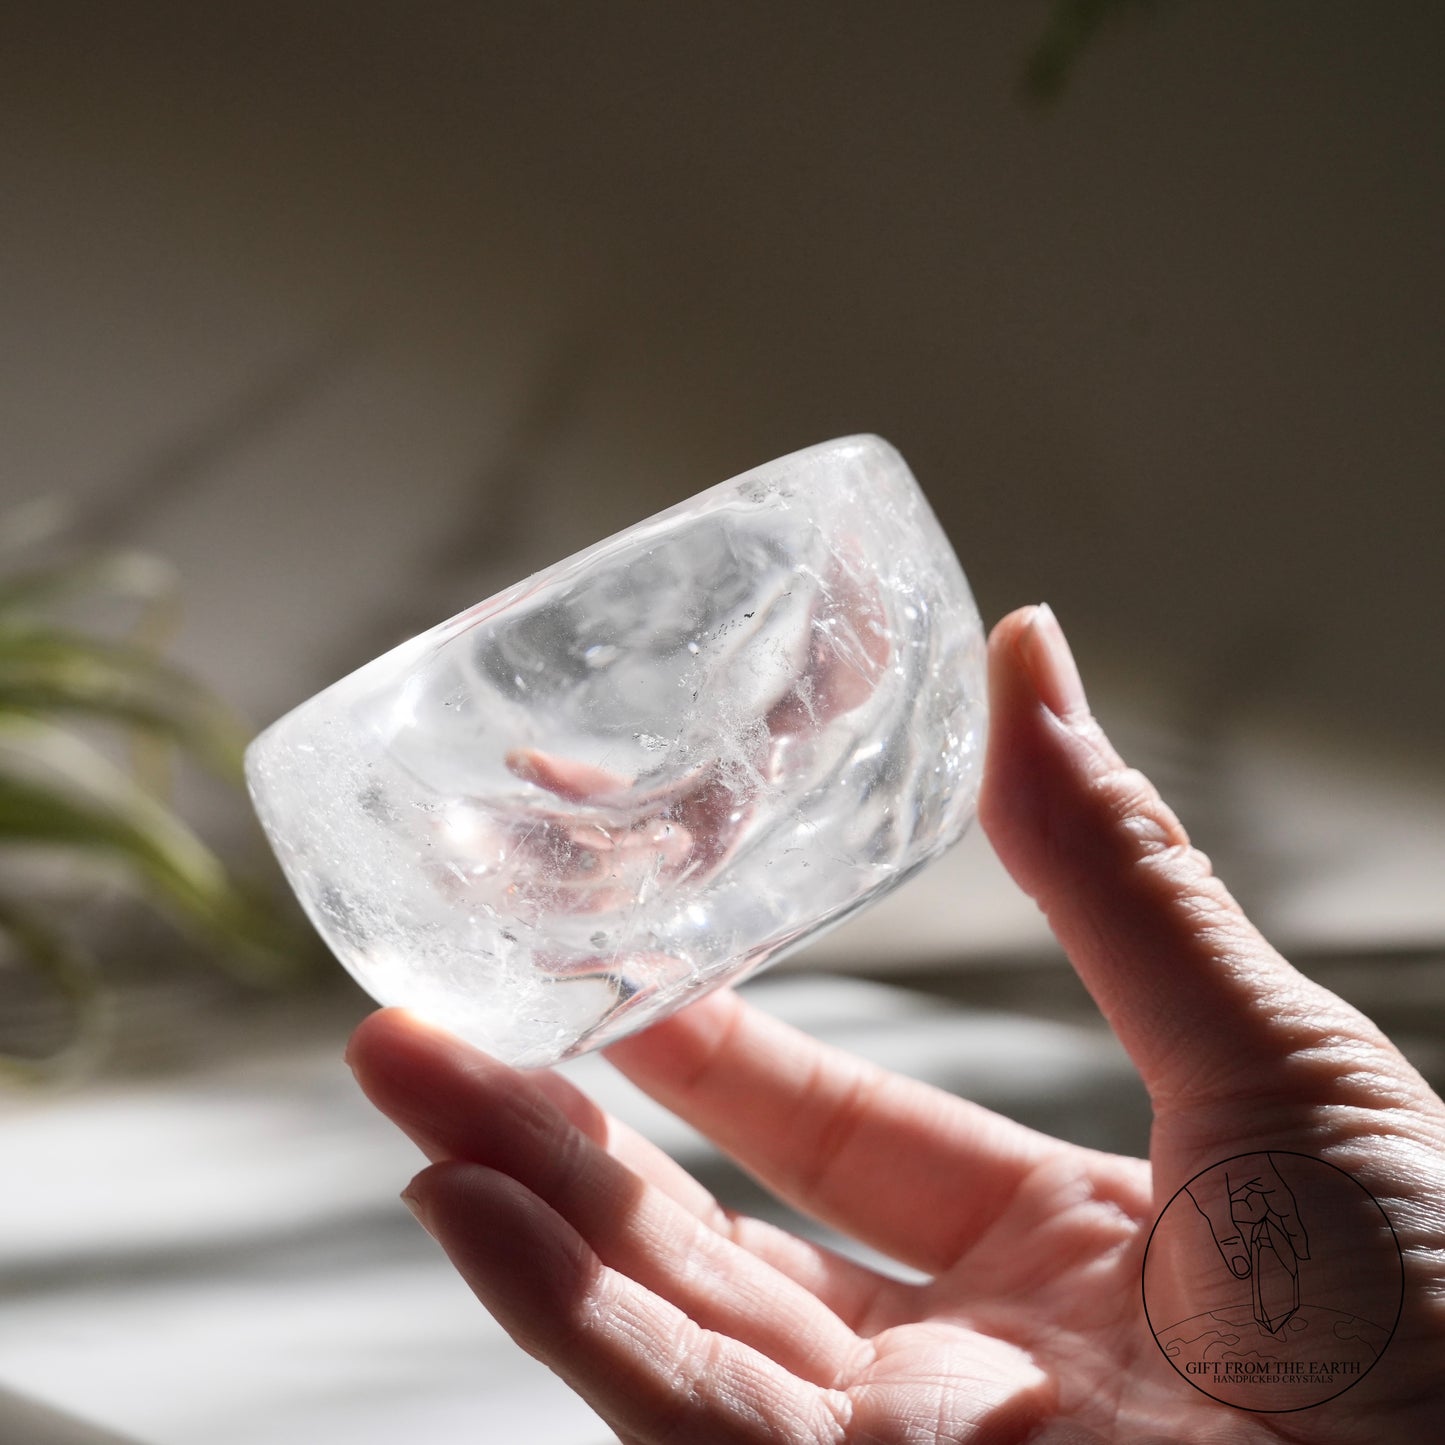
x: 651, y: 769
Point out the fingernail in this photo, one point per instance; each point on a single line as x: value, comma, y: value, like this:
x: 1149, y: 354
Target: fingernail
x: 1240, y: 1265
x: 418, y: 1210
x: 1051, y: 665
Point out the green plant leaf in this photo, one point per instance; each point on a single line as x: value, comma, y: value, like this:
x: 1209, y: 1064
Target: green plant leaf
x: 58, y: 792
x: 46, y: 670
x: 136, y: 576
x: 1072, y: 27
x: 73, y: 974
x: 61, y: 797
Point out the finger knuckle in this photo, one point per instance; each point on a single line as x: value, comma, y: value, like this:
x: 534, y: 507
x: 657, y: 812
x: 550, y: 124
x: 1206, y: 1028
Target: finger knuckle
x: 1134, y: 809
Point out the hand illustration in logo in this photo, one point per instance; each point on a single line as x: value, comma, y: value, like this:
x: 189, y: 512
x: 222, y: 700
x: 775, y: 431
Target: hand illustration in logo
x: 1252, y: 1215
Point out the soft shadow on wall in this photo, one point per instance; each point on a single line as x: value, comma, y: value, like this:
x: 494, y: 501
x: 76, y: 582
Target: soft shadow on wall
x: 359, y: 315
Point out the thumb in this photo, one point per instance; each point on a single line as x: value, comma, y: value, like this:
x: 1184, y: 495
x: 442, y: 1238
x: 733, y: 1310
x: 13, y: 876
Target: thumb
x: 1212, y: 1201
x: 1204, y: 1006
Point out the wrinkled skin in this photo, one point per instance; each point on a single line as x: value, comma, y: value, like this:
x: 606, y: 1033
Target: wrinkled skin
x: 680, y: 1322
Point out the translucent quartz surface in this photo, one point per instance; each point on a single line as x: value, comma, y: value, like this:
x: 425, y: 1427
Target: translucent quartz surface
x: 652, y: 768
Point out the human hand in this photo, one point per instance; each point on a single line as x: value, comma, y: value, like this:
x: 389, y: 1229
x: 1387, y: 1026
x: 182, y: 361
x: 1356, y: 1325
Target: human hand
x: 1240, y: 1193
x: 681, y: 1322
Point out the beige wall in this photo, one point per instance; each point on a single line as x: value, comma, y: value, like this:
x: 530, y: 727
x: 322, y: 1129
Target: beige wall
x: 359, y: 311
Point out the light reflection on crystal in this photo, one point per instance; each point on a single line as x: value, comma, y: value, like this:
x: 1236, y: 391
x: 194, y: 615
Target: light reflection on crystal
x: 654, y: 767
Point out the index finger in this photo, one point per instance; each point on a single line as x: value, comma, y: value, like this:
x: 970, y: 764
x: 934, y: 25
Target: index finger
x: 901, y: 1165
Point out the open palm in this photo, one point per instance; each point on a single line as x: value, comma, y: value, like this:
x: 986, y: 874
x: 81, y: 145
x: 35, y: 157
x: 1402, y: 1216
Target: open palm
x: 681, y: 1322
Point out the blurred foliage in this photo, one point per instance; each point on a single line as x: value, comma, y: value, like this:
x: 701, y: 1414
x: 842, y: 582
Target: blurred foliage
x: 1072, y: 26
x: 68, y: 689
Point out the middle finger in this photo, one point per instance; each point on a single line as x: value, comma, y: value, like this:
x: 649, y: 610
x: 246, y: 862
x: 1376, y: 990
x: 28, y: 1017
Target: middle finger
x: 455, y: 1102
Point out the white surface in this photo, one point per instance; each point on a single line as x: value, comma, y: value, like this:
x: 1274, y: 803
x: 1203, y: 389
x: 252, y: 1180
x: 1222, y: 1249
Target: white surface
x: 223, y: 1260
